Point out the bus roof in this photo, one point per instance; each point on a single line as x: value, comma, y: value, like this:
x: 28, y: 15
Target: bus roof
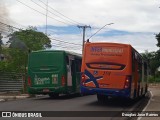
x: 108, y: 43
x: 67, y: 52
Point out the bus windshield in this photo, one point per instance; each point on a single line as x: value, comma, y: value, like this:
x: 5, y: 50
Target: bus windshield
x: 45, y: 59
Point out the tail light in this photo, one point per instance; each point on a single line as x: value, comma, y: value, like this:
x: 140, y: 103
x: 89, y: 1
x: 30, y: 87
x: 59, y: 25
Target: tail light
x: 63, y: 80
x: 29, y: 81
x: 127, y: 82
x: 83, y: 78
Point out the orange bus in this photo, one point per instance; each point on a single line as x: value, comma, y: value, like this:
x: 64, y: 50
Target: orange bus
x: 113, y: 69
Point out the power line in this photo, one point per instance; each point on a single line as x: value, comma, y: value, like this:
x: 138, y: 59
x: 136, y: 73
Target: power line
x: 61, y: 13
x: 52, y: 31
x: 10, y: 26
x: 65, y: 41
x: 41, y: 12
x: 72, y: 47
x: 7, y: 25
x: 64, y: 44
x: 68, y: 46
x: 3, y: 26
x: 4, y: 30
x: 50, y: 38
x: 8, y: 29
x: 64, y: 47
x: 51, y: 12
x: 2, y: 18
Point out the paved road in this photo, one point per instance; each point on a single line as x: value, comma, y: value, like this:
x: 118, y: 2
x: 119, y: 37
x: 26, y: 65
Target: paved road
x: 72, y: 103
x: 154, y: 102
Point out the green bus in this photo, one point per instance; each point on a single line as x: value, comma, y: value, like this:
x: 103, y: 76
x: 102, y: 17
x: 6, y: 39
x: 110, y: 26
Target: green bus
x: 53, y: 72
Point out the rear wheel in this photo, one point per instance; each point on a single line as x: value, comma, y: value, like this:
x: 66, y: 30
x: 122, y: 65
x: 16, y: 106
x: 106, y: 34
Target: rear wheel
x: 102, y: 98
x: 138, y: 91
x: 53, y: 95
x: 146, y: 89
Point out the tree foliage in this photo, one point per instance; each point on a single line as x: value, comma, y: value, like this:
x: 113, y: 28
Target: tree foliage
x: 153, y: 60
x: 21, y: 42
x: 29, y: 39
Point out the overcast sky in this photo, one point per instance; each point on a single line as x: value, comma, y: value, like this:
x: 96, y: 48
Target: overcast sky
x: 135, y: 21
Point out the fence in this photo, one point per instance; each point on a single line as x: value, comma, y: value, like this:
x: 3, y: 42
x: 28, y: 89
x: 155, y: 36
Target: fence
x: 11, y: 82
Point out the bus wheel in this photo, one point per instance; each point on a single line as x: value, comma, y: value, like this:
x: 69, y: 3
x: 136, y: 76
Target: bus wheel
x: 102, y: 98
x: 146, y: 89
x: 138, y: 95
x: 53, y: 95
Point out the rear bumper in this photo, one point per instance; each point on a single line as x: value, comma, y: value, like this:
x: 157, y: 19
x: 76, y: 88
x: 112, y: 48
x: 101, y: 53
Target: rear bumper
x: 107, y: 92
x: 41, y: 90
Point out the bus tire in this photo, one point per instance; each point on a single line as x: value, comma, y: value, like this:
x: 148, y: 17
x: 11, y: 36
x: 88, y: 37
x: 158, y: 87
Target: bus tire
x: 138, y: 91
x: 53, y: 95
x: 146, y: 89
x: 141, y: 91
x: 102, y: 98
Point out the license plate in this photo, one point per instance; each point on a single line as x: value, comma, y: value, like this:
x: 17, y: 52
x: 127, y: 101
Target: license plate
x: 45, y: 90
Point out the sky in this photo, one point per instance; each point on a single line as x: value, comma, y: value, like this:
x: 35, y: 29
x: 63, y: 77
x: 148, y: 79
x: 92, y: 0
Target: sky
x: 135, y: 21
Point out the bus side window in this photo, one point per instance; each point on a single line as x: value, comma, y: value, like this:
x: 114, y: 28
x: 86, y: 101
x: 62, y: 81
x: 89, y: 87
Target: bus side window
x: 67, y: 60
x: 78, y: 65
x: 73, y: 67
x: 133, y: 61
x: 67, y: 64
x: 136, y: 56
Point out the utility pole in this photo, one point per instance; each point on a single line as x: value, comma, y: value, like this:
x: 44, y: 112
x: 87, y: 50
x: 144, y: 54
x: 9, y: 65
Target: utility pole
x: 46, y: 15
x: 84, y: 30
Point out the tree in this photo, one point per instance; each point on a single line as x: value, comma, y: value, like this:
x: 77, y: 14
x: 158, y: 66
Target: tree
x: 29, y: 39
x: 153, y: 58
x: 21, y: 42
x: 158, y: 51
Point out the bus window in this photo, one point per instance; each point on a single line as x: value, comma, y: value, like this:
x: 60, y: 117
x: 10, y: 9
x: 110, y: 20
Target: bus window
x: 73, y: 67
x: 133, y: 61
x: 105, y: 66
x: 78, y: 65
x: 67, y: 60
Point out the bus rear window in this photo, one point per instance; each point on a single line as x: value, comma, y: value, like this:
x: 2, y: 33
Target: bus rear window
x: 106, y: 66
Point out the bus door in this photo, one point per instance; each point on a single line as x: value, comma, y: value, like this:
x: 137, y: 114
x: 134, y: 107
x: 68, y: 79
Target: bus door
x: 69, y: 70
x: 77, y: 74
x: 73, y: 74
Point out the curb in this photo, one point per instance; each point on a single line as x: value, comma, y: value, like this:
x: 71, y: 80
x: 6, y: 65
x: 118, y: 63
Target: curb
x: 144, y: 109
x: 5, y: 98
